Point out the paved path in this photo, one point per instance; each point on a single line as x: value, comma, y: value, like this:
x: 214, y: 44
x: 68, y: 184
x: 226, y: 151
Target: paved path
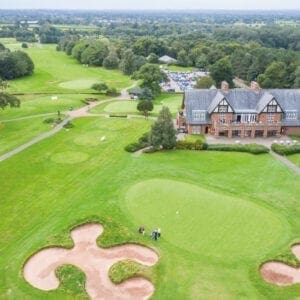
x: 35, y: 140
x: 81, y: 112
x: 285, y: 161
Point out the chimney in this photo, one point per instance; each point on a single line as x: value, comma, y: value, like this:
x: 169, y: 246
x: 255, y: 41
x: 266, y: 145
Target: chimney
x: 254, y: 86
x: 224, y: 86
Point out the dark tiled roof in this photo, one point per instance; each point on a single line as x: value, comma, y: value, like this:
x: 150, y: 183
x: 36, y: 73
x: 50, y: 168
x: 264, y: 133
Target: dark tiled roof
x: 242, y: 100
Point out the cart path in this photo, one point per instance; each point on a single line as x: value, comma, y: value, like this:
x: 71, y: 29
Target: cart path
x: 81, y: 112
x: 35, y: 140
x: 286, y: 162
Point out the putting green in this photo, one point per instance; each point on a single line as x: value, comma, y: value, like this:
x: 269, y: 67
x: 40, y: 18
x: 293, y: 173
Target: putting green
x: 80, y: 84
x: 69, y: 157
x: 203, y: 221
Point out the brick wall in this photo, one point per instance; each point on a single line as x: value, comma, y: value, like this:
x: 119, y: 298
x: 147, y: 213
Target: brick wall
x: 263, y: 117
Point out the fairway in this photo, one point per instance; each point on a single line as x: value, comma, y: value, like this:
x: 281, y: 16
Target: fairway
x: 55, y: 72
x: 204, y: 222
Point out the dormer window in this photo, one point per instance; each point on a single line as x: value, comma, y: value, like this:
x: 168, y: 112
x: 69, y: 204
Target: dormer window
x: 199, y: 115
x: 291, y: 115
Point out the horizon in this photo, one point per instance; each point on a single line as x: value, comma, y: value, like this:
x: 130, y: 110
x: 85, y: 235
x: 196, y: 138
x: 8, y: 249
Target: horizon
x: 154, y: 5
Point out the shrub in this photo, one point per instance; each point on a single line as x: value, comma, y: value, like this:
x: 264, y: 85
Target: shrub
x: 49, y: 121
x: 185, y: 145
x: 285, y: 150
x: 68, y: 125
x: 52, y: 120
x: 112, y: 92
x: 133, y: 147
x: 250, y: 148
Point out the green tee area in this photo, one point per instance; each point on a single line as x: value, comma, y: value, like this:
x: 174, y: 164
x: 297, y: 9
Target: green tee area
x: 221, y: 214
x: 55, y: 72
x: 172, y: 101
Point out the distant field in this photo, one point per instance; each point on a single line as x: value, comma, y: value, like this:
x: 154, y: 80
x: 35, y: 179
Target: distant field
x: 55, y: 72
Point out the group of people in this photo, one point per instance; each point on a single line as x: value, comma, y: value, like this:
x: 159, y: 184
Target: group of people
x: 155, y: 234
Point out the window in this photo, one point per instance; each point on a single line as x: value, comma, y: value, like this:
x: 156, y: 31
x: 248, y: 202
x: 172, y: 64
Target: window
x: 222, y: 118
x: 291, y: 115
x: 248, y: 118
x: 223, y: 108
x: 270, y: 118
x: 272, y: 108
x: 199, y: 115
x: 196, y: 129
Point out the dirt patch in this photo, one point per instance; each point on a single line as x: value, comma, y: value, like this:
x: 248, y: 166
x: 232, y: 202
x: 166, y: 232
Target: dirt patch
x: 95, y: 262
x: 280, y: 273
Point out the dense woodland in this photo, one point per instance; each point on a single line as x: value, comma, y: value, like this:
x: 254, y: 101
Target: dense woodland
x: 262, y: 46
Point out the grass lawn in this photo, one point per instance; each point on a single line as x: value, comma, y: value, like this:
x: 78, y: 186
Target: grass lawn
x: 55, y: 72
x: 173, y: 101
x: 42, y: 104
x: 180, y: 69
x: 235, y: 211
x: 14, y: 134
x: 295, y: 158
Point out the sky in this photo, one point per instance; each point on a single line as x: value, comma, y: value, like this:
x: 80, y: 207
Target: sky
x: 151, y: 4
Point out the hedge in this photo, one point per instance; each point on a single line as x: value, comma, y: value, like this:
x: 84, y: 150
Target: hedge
x: 250, y: 148
x: 285, y: 150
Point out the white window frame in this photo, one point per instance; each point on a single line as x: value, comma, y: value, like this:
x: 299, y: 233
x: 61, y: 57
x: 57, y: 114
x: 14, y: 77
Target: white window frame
x: 291, y: 115
x: 199, y: 115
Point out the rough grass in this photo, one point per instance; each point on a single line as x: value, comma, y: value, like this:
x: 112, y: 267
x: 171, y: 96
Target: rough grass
x: 41, y: 200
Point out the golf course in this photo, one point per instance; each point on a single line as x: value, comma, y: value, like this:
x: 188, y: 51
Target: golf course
x: 222, y: 214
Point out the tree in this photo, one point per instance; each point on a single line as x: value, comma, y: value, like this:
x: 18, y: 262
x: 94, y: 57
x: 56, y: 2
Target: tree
x: 146, y: 94
x: 7, y: 99
x: 222, y: 70
x: 274, y: 76
x: 94, y: 54
x: 111, y: 61
x: 163, y: 133
x: 297, y: 78
x: 24, y: 45
x: 99, y: 87
x: 183, y: 59
x: 131, y: 62
x: 151, y: 76
x: 145, y: 106
x: 205, y: 82
x: 153, y: 58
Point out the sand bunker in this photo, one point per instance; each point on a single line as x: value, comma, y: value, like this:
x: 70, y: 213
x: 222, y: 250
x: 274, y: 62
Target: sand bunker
x: 280, y: 273
x: 95, y: 262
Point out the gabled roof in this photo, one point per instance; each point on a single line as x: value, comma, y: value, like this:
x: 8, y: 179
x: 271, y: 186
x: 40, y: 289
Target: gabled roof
x: 214, y: 103
x: 242, y: 101
x: 263, y: 102
x: 167, y: 59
